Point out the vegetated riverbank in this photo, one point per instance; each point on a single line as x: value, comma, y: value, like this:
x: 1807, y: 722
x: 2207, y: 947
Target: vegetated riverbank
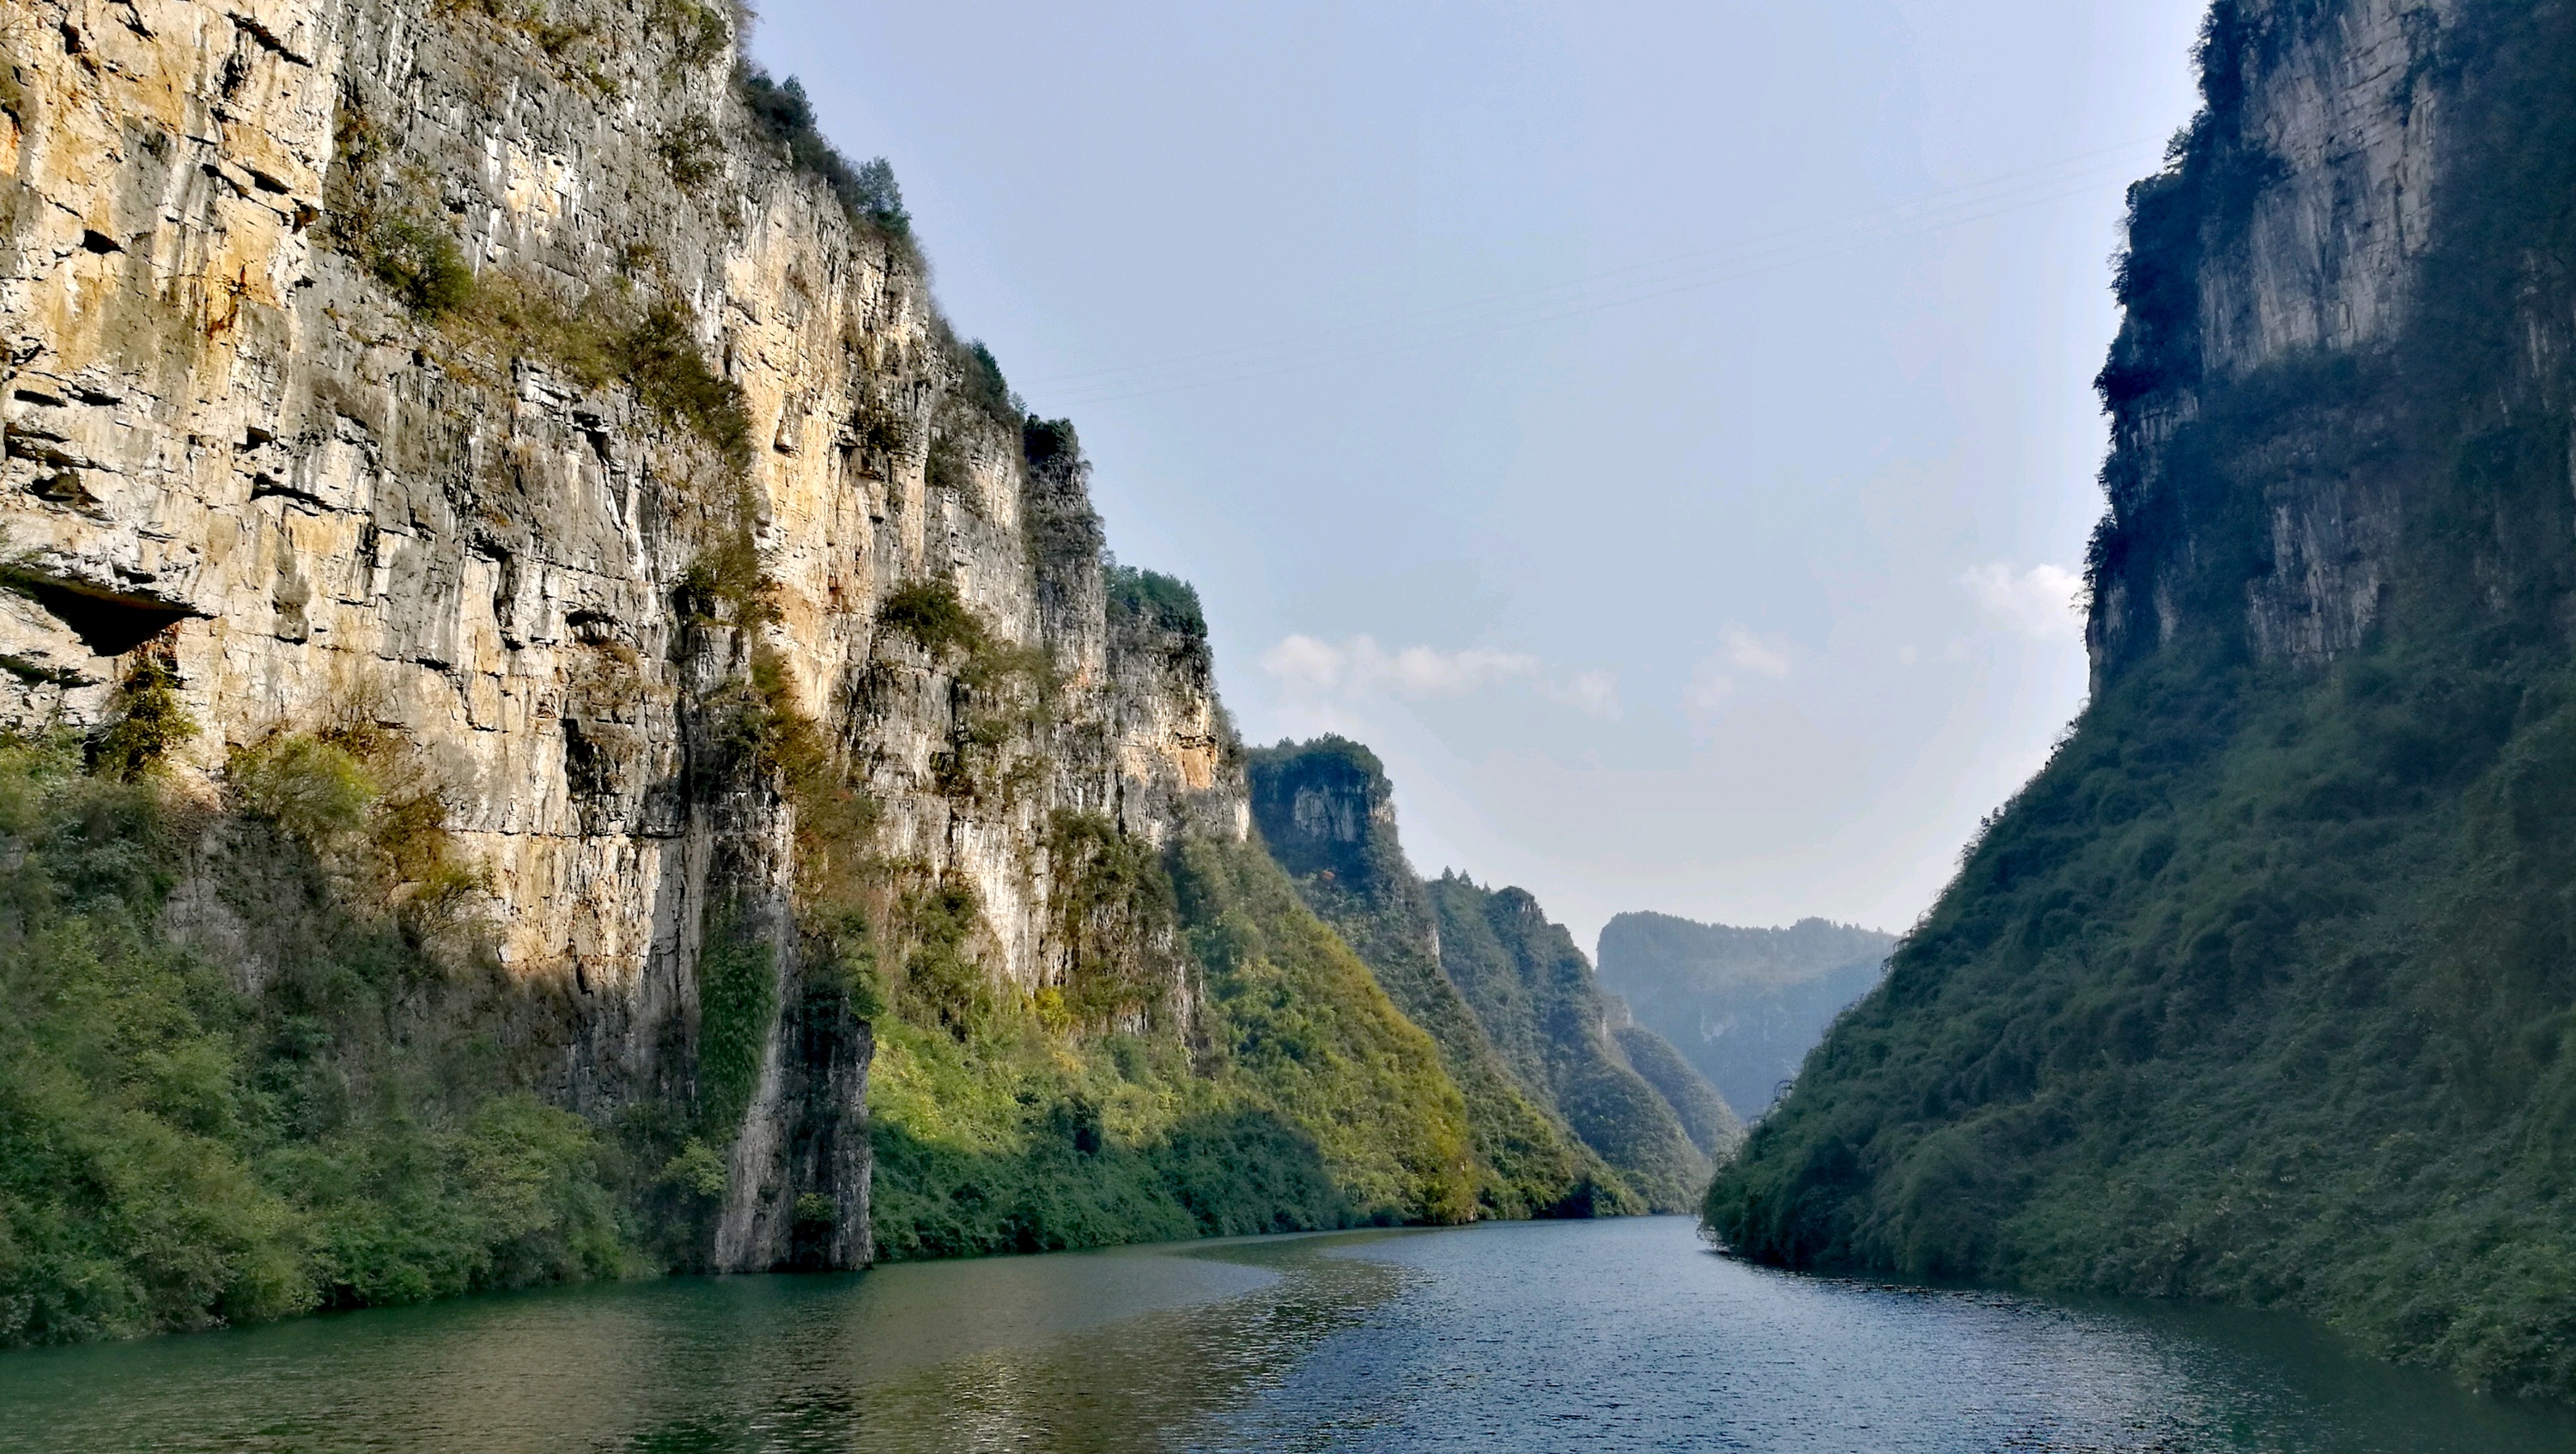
x: 2260, y: 990
x: 370, y: 1122
x: 535, y: 665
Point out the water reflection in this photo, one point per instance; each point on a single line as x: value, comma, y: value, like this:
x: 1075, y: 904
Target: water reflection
x: 1113, y: 1350
x: 1627, y: 1336
x: 1616, y: 1335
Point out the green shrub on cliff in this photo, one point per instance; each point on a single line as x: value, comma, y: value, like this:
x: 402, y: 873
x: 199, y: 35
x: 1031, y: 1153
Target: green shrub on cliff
x: 1302, y: 1099
x: 783, y: 114
x: 1153, y: 600
x: 2260, y: 990
x: 178, y: 1150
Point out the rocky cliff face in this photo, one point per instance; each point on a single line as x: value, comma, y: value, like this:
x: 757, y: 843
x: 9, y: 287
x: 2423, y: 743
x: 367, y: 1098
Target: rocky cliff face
x: 2288, y: 229
x: 2260, y: 990
x: 493, y: 377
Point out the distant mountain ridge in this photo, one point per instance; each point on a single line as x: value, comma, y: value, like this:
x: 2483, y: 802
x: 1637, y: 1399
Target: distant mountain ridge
x: 1744, y: 1006
x: 1571, y: 1108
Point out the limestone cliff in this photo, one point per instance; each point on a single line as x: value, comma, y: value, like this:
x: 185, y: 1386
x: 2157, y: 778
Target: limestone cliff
x: 500, y: 378
x: 2289, y: 228
x: 2261, y: 989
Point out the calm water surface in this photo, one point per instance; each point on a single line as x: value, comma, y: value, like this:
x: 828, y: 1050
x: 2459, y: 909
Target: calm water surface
x: 1537, y: 1336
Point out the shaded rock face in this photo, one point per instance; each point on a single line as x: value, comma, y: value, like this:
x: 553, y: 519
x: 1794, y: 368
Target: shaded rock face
x: 239, y: 426
x: 2287, y: 231
x: 1326, y: 809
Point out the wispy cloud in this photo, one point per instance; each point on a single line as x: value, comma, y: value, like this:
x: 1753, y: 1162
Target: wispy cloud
x: 1748, y: 652
x: 1739, y: 653
x: 1360, y: 666
x: 1593, y: 693
x: 2039, y: 602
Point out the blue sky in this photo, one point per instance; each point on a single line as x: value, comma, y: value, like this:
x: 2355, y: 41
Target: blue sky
x: 1662, y: 431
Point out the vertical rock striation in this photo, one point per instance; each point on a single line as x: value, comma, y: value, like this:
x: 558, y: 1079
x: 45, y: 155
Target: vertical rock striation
x: 496, y: 378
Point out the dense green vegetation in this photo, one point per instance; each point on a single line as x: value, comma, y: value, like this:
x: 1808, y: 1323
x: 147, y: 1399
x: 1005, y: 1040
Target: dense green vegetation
x: 1705, y: 1117
x: 313, y: 1095
x: 1744, y: 1006
x: 1154, y: 600
x: 2260, y: 991
x: 1301, y: 1099
x: 2263, y: 989
x: 1528, y: 1162
x: 1533, y: 992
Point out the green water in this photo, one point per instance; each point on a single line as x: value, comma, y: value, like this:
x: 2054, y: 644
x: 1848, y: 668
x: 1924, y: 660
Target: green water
x: 1541, y: 1336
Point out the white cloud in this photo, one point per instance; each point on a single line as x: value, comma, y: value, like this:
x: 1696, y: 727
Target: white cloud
x: 1361, y: 667
x: 1593, y: 693
x: 1706, y: 695
x: 1748, y: 652
x: 1304, y: 661
x: 2041, y: 602
x: 1713, y: 682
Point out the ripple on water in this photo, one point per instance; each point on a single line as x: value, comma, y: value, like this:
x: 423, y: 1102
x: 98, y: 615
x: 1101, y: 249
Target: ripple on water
x: 1540, y: 1336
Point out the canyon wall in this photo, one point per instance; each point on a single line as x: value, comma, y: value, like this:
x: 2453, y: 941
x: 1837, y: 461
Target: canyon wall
x: 2260, y: 990
x: 2288, y: 228
x: 653, y: 463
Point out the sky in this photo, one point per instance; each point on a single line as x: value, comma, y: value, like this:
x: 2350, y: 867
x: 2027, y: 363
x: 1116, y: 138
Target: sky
x: 1663, y: 432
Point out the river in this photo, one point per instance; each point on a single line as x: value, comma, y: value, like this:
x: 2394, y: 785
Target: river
x: 1612, y: 1335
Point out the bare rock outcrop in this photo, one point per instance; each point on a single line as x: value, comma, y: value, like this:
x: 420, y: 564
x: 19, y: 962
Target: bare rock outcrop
x: 490, y: 373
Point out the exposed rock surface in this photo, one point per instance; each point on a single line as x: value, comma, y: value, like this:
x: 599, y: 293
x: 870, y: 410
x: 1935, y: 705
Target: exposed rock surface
x: 2287, y: 232
x: 1327, y: 814
x: 229, y: 435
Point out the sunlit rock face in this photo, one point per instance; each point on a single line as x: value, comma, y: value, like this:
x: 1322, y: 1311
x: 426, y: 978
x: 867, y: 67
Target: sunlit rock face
x: 236, y: 435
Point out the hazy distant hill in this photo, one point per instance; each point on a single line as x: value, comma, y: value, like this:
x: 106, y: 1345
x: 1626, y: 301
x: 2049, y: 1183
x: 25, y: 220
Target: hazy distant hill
x: 1570, y: 1109
x: 1744, y: 1005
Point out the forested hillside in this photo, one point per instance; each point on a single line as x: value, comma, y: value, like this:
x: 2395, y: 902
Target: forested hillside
x: 2264, y: 988
x: 1568, y: 1120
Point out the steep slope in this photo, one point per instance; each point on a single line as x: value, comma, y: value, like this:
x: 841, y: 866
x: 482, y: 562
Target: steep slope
x: 1327, y: 814
x: 1705, y: 1117
x: 564, y: 665
x: 1532, y: 992
x: 2262, y: 989
x: 1744, y: 1005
